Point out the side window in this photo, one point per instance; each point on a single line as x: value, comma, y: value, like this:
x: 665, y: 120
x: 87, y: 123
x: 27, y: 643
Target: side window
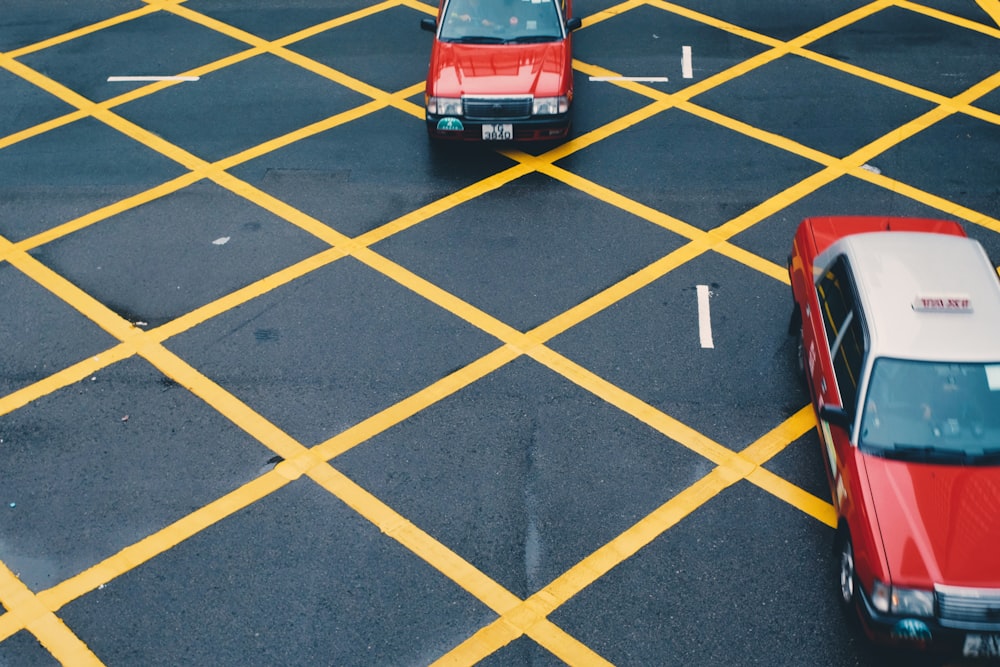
x: 844, y: 331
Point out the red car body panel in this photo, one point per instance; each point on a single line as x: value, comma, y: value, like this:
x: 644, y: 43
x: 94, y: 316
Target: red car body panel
x: 939, y: 523
x: 912, y: 524
x: 490, y: 69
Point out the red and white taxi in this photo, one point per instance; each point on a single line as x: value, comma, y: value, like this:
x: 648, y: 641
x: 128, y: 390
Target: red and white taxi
x: 500, y: 70
x: 900, y: 345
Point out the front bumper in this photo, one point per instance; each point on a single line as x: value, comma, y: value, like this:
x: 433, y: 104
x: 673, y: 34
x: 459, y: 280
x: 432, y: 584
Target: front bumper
x: 927, y: 634
x: 544, y: 128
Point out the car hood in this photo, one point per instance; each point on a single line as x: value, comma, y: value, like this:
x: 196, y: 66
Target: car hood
x: 507, y: 69
x: 939, y: 523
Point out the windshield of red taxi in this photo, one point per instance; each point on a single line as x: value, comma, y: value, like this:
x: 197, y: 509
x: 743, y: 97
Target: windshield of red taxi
x: 501, y: 21
x: 948, y: 409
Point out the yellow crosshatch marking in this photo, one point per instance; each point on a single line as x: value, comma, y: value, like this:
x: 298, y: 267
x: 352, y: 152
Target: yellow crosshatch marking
x: 37, y: 613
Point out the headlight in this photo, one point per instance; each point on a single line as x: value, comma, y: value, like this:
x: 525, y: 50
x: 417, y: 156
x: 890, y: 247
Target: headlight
x: 549, y: 106
x: 902, y: 601
x: 444, y: 106
x: 912, y: 602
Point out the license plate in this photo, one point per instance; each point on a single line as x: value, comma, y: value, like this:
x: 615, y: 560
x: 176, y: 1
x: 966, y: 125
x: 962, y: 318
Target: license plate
x: 982, y: 646
x: 503, y: 132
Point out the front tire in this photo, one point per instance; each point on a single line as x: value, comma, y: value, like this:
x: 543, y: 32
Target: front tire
x: 847, y: 579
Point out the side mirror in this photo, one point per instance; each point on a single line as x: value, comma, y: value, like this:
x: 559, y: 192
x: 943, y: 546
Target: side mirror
x: 430, y: 25
x: 835, y: 415
x: 573, y: 23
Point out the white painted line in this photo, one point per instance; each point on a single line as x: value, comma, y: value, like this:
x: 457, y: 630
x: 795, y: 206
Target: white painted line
x: 629, y: 78
x: 152, y: 78
x: 686, y: 69
x: 704, y: 318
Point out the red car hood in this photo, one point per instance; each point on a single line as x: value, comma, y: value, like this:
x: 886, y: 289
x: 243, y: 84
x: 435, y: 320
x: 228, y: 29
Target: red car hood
x: 939, y: 523
x: 508, y: 69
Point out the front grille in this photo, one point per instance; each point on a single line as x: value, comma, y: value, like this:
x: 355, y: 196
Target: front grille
x: 497, y: 108
x: 971, y: 608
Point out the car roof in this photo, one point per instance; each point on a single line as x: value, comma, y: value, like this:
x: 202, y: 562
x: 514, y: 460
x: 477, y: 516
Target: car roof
x: 924, y: 295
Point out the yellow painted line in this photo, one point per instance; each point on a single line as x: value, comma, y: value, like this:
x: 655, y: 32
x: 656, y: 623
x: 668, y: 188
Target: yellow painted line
x: 106, y: 116
x: 41, y: 128
x: 9, y: 625
x: 773, y: 442
x: 565, y: 646
x: 853, y: 162
x: 365, y: 12
x: 157, y: 543
x: 620, y: 290
x: 91, y: 308
x: 781, y: 488
x: 124, y: 98
x: 611, y: 12
x: 93, y: 364
x: 778, y: 272
x: 525, y: 619
x: 530, y: 617
x: 81, y: 32
x: 224, y: 402
x: 47, y: 628
x: 948, y: 206
x: 446, y: 203
x: 991, y: 7
x: 63, y: 378
x: 278, y: 49
x: 296, y: 135
x: 111, y: 210
x: 406, y: 408
x: 444, y: 299
x: 398, y: 527
x: 665, y: 424
x: 245, y: 294
x: 622, y: 202
x: 713, y: 22
x: 200, y: 71
x: 763, y: 136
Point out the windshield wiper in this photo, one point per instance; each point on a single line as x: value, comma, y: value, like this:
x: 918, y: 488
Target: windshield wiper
x: 985, y: 455
x: 477, y: 39
x: 527, y: 39
x: 930, y: 453
x: 926, y: 453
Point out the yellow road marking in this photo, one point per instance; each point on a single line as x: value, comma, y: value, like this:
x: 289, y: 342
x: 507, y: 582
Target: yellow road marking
x: 991, y: 7
x: 168, y: 537
x: 81, y: 32
x: 24, y: 609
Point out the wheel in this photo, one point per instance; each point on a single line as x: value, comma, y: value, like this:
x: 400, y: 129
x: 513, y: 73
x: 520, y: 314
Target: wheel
x: 800, y: 355
x: 847, y: 580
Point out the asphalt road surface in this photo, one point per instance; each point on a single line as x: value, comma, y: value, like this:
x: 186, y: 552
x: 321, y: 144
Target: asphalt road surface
x: 282, y: 385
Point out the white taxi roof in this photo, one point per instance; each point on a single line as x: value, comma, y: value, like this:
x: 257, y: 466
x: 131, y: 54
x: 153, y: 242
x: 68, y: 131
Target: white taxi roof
x: 924, y: 295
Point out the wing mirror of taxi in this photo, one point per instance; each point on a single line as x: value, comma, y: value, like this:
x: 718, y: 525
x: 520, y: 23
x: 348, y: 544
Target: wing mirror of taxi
x: 835, y: 415
x: 573, y: 23
x: 429, y: 25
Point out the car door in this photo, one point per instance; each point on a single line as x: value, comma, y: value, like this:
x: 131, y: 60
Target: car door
x: 836, y: 362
